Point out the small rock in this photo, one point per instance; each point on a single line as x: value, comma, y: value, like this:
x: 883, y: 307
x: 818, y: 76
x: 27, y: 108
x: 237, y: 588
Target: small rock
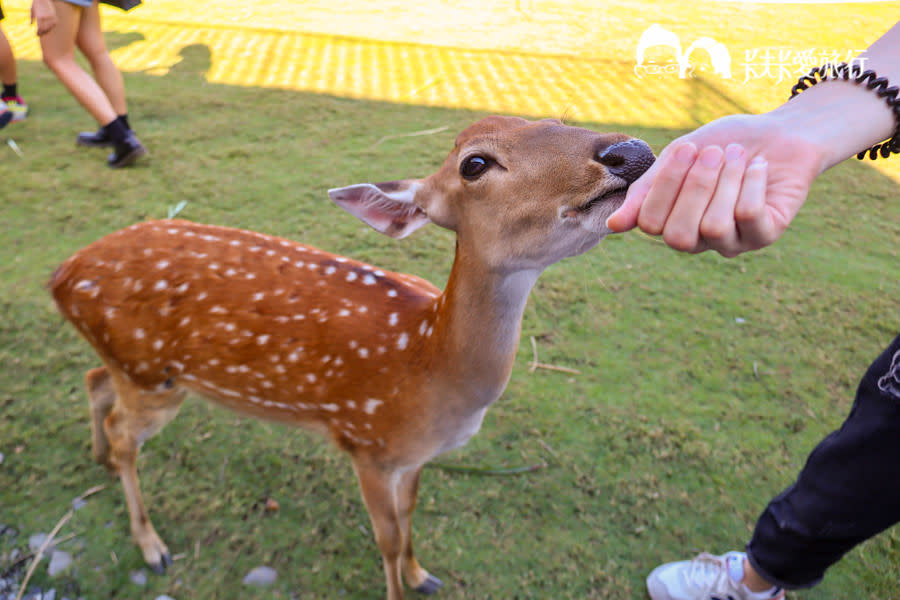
x: 261, y: 576
x: 59, y: 562
x: 8, y: 530
x: 33, y: 593
x: 78, y: 503
x: 37, y: 540
x: 138, y: 577
x: 49, y: 595
x: 164, y: 597
x: 2, y: 458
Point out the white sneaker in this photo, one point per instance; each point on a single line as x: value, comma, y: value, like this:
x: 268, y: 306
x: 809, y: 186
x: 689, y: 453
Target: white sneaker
x: 706, y: 577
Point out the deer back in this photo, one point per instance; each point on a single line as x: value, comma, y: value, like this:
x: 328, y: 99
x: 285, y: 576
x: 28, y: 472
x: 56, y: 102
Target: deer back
x: 261, y: 324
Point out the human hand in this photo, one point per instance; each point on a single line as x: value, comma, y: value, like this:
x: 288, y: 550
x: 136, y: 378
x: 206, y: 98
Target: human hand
x: 44, y: 13
x: 731, y: 186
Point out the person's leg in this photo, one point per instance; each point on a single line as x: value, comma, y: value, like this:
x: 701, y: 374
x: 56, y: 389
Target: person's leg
x: 89, y: 40
x: 58, y: 47
x: 9, y: 78
x: 8, y: 74
x: 848, y: 491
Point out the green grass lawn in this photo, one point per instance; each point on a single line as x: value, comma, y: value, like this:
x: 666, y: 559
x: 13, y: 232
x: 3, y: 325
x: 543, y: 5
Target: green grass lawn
x: 704, y: 382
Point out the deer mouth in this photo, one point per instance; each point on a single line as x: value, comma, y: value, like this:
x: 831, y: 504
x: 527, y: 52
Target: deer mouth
x: 615, y: 197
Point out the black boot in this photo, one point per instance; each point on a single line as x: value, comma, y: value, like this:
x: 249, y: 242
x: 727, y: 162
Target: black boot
x: 100, y: 139
x: 126, y: 147
x: 126, y: 152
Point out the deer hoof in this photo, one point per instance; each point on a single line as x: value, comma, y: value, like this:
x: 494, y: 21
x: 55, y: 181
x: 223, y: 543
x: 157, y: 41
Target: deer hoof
x: 431, y: 585
x: 165, y: 561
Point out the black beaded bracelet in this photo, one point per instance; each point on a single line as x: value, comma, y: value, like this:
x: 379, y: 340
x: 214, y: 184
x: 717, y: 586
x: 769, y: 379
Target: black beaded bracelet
x: 877, y: 84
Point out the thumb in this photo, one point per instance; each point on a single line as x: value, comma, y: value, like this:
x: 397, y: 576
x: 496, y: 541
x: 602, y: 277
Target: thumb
x: 625, y: 217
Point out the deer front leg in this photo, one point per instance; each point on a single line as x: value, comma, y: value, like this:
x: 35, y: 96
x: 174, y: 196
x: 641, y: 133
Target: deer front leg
x: 379, y: 494
x: 416, y: 577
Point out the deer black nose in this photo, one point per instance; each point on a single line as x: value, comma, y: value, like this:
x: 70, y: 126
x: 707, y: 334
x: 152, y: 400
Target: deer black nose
x: 628, y: 159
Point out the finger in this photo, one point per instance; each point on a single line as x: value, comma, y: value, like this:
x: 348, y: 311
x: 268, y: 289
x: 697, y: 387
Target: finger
x: 718, y: 228
x: 756, y: 226
x: 682, y: 228
x: 625, y: 217
x: 656, y: 207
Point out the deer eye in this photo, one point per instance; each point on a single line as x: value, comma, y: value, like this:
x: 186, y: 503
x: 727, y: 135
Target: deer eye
x: 474, y: 166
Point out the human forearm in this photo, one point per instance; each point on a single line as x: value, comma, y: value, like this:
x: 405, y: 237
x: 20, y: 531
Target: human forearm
x: 842, y: 118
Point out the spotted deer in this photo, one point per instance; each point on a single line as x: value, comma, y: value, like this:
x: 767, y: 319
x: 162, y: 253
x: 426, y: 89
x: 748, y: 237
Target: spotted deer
x: 393, y: 370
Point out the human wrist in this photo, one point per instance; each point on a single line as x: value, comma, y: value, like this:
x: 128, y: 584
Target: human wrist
x: 837, y: 119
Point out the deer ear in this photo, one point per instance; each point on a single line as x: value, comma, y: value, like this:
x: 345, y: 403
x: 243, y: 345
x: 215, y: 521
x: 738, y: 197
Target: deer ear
x: 387, y: 207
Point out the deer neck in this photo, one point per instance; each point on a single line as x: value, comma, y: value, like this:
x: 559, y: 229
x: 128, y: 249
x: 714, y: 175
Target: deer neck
x: 477, y: 330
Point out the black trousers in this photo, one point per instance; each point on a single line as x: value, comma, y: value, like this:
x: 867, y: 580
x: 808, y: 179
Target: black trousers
x: 848, y: 491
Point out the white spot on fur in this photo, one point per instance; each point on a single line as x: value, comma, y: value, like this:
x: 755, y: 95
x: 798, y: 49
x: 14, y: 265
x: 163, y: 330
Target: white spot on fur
x: 162, y: 264
x: 157, y: 344
x: 363, y: 353
x: 369, y: 280
x: 161, y: 285
x: 351, y: 276
x: 329, y: 407
x: 310, y: 377
x: 139, y: 334
x: 372, y: 405
x: 202, y: 296
x: 402, y: 341
x: 392, y: 319
x: 392, y: 293
x: 184, y: 321
x: 344, y: 313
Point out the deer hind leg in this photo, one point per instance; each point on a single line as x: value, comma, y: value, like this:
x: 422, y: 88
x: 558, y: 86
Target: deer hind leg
x: 136, y: 416
x: 416, y: 577
x: 379, y: 493
x: 101, y: 397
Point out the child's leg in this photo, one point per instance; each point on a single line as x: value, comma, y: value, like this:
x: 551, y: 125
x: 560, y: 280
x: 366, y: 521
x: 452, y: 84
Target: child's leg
x: 90, y: 41
x: 58, y: 47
